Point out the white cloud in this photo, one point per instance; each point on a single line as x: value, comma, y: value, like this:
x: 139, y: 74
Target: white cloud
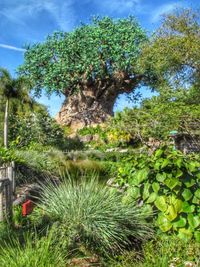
x: 119, y: 6
x: 61, y: 11
x: 163, y: 9
x: 12, y: 47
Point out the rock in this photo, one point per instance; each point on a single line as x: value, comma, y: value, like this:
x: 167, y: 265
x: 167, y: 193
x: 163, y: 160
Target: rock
x: 86, y: 138
x: 96, y: 137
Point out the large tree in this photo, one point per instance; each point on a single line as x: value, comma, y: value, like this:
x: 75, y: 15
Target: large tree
x: 91, y: 66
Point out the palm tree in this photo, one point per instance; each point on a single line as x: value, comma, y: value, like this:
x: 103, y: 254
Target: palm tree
x: 12, y: 88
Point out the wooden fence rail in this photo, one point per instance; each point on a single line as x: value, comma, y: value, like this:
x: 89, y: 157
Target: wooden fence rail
x: 7, y: 191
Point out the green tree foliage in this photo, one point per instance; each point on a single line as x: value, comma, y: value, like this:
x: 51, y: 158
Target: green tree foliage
x: 35, y: 126
x: 29, y: 122
x: 173, y: 52
x: 100, y: 55
x: 158, y: 116
x: 12, y: 88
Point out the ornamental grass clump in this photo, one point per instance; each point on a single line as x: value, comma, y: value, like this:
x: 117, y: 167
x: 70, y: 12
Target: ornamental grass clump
x: 93, y: 217
x: 33, y: 252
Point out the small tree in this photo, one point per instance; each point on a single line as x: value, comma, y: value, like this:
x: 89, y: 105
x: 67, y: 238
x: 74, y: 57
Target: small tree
x: 173, y: 53
x: 91, y: 66
x: 12, y: 89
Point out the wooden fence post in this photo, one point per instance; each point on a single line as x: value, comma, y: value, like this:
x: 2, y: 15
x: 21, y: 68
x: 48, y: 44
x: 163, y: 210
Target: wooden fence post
x: 8, y: 200
x: 10, y: 190
x: 1, y: 196
x: 11, y: 176
x: 7, y: 191
x: 1, y: 202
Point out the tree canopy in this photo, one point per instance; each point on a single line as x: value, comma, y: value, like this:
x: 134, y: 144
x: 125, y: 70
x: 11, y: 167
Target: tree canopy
x: 95, y: 63
x: 173, y: 53
x: 99, y: 55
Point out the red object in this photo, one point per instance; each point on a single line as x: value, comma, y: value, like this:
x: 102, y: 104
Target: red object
x: 27, y: 208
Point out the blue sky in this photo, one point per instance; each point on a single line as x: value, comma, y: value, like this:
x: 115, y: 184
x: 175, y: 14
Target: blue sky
x: 29, y: 21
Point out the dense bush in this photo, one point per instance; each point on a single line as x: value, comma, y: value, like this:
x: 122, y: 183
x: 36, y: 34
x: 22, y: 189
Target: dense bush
x: 167, y: 182
x: 36, y: 127
x: 7, y: 155
x: 155, y: 118
x: 93, y: 217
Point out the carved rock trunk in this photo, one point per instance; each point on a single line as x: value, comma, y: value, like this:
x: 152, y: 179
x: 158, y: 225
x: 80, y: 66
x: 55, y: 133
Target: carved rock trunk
x: 93, y: 103
x: 85, y: 108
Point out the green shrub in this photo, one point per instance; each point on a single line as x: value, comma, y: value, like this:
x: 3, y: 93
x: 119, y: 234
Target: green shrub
x: 162, y: 252
x: 169, y: 183
x: 93, y: 217
x: 85, y: 154
x: 35, y: 127
x: 7, y: 155
x: 32, y: 253
x: 93, y: 130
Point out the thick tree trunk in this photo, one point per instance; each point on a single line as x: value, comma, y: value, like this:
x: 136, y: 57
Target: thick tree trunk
x: 85, y: 108
x: 93, y: 103
x: 6, y: 124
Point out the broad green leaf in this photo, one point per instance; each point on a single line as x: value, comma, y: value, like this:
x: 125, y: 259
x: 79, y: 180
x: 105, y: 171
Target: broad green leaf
x: 160, y: 203
x: 178, y: 162
x: 152, y: 197
x: 187, y: 207
x: 189, y: 182
x: 180, y: 222
x: 157, y: 166
x: 197, y: 193
x: 171, y: 182
x: 140, y: 176
x: 160, y: 177
x: 146, y: 191
x: 185, y: 234
x: 171, y: 213
x: 187, y: 194
x: 194, y: 221
x: 192, y: 166
x: 134, y: 192
x: 196, y: 200
x: 163, y: 223
x: 155, y: 187
x: 159, y: 152
x: 197, y: 236
x: 179, y: 173
x: 165, y: 163
x: 177, y: 203
x: 177, y: 189
x: 147, y: 209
